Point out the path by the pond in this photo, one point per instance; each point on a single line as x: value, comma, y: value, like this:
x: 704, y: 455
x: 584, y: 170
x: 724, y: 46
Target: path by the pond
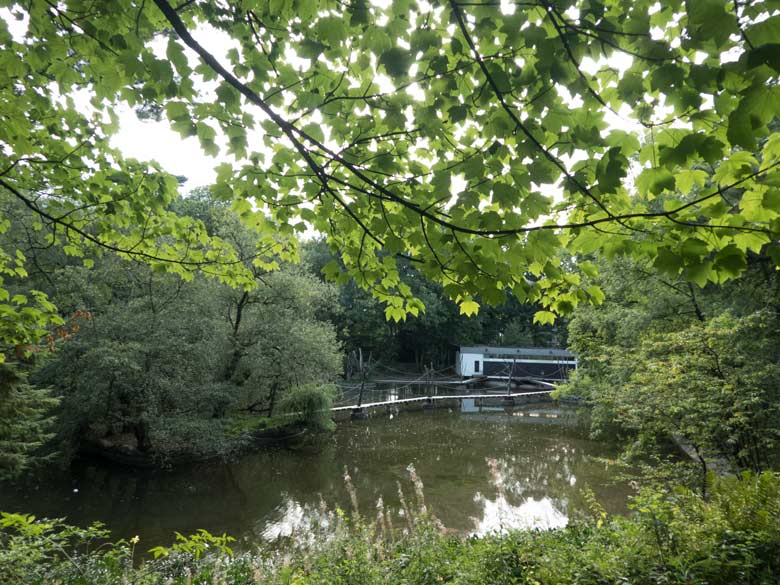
x: 482, y: 471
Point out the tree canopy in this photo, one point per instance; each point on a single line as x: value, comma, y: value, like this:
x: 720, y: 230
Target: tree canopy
x: 660, y: 359
x: 484, y: 141
x: 160, y: 370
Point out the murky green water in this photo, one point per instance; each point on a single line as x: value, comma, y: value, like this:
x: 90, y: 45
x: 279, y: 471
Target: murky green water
x: 482, y: 471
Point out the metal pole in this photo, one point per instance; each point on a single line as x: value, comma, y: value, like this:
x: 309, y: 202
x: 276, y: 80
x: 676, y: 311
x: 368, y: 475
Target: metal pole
x: 359, y: 413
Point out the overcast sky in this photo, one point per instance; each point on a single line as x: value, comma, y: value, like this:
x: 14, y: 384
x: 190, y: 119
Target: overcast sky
x: 149, y: 140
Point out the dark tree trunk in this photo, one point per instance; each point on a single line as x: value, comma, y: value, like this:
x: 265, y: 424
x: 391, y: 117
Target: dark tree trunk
x: 696, y: 307
x: 704, y: 472
x: 272, y: 399
x: 235, y: 356
x: 141, y: 431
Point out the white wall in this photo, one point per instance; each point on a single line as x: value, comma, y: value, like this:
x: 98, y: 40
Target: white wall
x: 465, y: 364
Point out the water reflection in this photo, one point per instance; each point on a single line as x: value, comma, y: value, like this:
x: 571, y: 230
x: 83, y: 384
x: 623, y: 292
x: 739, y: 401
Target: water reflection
x: 500, y: 516
x: 296, y: 521
x: 510, y: 508
x: 483, y: 471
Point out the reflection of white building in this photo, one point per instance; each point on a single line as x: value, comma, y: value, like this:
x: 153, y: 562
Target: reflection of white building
x: 499, y: 516
x: 517, y: 362
x: 301, y: 522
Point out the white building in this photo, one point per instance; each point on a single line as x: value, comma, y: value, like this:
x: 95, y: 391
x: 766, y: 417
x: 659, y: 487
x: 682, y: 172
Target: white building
x: 519, y: 362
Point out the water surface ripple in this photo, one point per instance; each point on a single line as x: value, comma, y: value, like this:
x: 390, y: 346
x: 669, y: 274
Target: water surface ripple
x: 483, y: 471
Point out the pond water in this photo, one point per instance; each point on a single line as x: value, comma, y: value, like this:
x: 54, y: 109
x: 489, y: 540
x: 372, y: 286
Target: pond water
x: 483, y: 471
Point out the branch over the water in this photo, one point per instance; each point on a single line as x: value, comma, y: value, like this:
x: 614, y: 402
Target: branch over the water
x: 309, y: 147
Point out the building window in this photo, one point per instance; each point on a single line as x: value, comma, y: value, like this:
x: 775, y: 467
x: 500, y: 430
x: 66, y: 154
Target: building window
x: 476, y: 365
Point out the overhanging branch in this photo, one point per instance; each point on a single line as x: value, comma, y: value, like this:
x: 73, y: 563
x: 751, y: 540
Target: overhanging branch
x: 372, y: 189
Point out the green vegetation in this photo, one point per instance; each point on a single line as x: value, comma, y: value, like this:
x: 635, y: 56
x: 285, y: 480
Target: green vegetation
x: 310, y: 405
x: 24, y: 412
x: 611, y: 162
x: 433, y: 133
x: 148, y: 370
x: 363, y: 322
x: 670, y: 537
x: 661, y: 359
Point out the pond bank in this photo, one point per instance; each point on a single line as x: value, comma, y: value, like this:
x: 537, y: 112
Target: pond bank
x: 126, y: 453
x: 479, y: 468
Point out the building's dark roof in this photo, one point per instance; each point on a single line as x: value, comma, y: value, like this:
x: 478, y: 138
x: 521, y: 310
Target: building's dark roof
x: 526, y: 351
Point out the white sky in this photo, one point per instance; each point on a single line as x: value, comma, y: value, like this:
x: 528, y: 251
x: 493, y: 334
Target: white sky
x: 151, y: 140
x: 156, y: 141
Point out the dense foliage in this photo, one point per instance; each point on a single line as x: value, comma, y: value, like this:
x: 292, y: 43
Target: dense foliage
x: 662, y: 359
x: 364, y: 323
x: 310, y: 405
x: 670, y: 537
x: 479, y: 140
x: 151, y: 366
x: 161, y: 366
x: 25, y: 420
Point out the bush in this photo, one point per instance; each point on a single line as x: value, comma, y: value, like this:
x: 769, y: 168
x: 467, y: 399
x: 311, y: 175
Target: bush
x: 310, y: 405
x: 31, y: 550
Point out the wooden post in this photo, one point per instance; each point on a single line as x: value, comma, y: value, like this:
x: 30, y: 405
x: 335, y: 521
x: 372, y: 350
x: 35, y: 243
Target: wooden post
x: 429, y: 388
x: 362, y: 377
x: 508, y: 400
x: 360, y: 413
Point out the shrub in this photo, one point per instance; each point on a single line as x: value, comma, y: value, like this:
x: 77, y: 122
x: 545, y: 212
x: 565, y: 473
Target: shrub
x: 310, y: 405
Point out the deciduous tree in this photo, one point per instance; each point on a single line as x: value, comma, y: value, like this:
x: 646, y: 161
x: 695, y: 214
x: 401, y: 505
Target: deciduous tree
x: 478, y: 139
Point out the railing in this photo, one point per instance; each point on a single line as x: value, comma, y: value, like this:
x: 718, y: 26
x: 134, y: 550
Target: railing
x: 432, y: 398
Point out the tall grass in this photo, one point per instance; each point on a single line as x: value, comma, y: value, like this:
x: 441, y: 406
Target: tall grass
x: 672, y: 536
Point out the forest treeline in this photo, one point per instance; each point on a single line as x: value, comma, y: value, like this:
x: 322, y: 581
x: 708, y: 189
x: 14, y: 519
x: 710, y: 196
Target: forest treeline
x: 662, y: 359
x: 146, y: 363
x: 149, y: 364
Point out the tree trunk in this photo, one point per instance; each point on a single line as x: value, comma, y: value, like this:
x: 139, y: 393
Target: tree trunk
x: 696, y: 308
x: 236, y: 353
x: 272, y: 399
x: 141, y: 432
x: 704, y: 472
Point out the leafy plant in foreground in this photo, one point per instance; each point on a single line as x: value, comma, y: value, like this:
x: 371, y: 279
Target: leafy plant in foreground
x: 670, y: 537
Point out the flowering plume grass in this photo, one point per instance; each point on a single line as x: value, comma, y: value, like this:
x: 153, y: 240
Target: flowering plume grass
x: 672, y: 537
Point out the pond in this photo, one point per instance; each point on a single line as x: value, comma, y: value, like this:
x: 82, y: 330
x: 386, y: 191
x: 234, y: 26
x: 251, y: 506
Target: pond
x: 483, y: 470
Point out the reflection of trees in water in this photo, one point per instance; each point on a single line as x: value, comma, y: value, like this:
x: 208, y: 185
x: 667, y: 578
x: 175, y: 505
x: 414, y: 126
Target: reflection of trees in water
x: 547, y: 482
x: 548, y: 472
x: 534, y: 461
x: 154, y: 503
x: 535, y: 464
x: 539, y: 460
x: 530, y: 490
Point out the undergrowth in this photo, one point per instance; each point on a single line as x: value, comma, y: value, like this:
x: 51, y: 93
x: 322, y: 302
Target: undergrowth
x: 670, y: 536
